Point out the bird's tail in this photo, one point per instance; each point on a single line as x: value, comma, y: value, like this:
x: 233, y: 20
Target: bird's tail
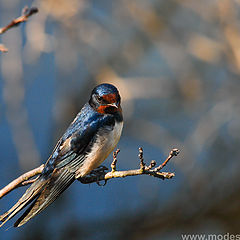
x: 40, y: 194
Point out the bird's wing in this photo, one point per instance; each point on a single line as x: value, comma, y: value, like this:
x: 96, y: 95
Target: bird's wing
x: 70, y: 151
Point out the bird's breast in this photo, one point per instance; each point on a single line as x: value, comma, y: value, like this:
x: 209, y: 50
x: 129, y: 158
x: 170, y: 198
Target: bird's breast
x: 105, y: 141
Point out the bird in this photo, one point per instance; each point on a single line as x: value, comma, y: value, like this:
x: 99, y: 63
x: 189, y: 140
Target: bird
x: 87, y: 142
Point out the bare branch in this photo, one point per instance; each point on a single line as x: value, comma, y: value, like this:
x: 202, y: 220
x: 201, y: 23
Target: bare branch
x: 26, y: 13
x: 21, y: 181
x: 100, y: 173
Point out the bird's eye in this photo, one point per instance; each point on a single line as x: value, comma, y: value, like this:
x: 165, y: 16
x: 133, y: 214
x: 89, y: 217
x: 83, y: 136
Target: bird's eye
x: 99, y: 98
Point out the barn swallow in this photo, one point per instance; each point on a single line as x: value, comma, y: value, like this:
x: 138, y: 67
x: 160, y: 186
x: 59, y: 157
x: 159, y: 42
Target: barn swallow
x: 87, y: 142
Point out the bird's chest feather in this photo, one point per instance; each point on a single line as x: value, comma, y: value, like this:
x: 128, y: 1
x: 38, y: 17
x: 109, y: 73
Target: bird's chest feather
x: 105, y: 141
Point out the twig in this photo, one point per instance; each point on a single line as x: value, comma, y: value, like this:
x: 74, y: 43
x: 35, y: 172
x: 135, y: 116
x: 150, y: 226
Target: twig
x: 114, y: 162
x: 21, y: 181
x: 26, y: 13
x: 173, y: 153
x: 140, y: 155
x: 100, y: 173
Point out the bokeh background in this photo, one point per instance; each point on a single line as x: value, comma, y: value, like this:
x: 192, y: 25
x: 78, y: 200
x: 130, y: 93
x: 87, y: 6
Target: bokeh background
x: 176, y: 64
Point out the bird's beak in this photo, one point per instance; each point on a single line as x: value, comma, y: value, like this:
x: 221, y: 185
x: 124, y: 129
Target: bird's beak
x: 115, y: 105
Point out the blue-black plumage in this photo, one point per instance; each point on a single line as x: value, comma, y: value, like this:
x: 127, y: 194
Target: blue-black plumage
x: 87, y: 142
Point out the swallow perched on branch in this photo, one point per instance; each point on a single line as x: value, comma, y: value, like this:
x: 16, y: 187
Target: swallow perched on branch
x: 87, y: 142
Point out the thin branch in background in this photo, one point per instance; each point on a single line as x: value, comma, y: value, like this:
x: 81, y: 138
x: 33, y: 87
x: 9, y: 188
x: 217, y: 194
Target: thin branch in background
x: 26, y: 13
x: 100, y: 174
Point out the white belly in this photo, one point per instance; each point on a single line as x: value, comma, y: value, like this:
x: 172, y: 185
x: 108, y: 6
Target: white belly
x: 103, y: 146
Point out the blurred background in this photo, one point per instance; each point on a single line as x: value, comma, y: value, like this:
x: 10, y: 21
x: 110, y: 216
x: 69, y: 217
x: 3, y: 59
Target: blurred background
x: 176, y: 64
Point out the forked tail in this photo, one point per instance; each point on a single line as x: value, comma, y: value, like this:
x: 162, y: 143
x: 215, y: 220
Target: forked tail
x: 40, y: 194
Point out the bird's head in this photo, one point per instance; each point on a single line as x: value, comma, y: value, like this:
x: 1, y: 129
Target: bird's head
x: 105, y: 98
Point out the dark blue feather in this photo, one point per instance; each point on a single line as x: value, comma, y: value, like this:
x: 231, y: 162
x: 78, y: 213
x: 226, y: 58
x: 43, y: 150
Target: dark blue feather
x: 69, y: 156
x: 80, y: 134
